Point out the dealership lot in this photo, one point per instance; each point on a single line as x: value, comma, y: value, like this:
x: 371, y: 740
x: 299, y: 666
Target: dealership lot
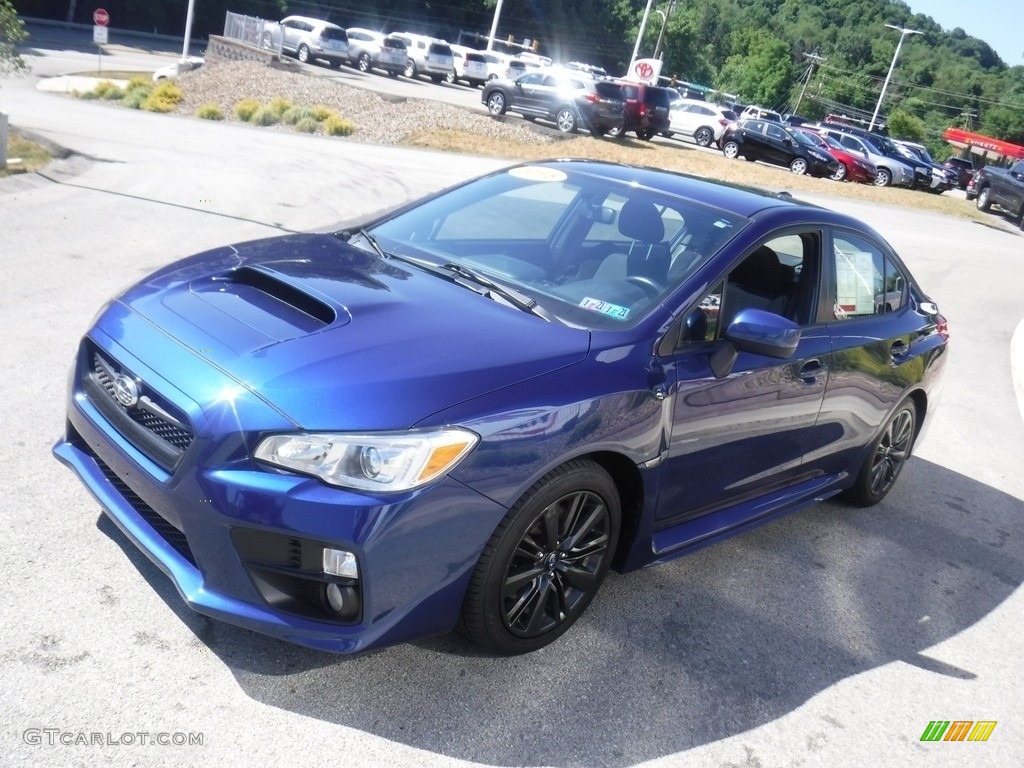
x: 831, y: 637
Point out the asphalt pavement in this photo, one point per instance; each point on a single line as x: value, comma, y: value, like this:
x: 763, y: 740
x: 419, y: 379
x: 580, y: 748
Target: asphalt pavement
x: 829, y: 638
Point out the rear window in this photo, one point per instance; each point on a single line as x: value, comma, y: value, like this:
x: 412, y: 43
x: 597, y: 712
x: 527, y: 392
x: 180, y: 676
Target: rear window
x: 440, y: 49
x: 728, y: 114
x: 475, y: 57
x: 394, y: 42
x: 334, y: 33
x: 609, y: 90
x: 659, y: 97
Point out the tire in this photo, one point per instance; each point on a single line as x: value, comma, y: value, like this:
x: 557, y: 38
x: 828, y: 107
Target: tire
x: 597, y: 131
x: 565, y: 119
x: 335, y: 63
x: 984, y: 201
x: 884, y: 178
x: 887, y: 457
x: 841, y: 173
x: 545, y: 562
x: 303, y: 53
x: 731, y: 150
x: 449, y: 78
x: 410, y: 69
x: 798, y: 166
x: 496, y: 103
x: 617, y: 132
x: 704, y: 137
x: 393, y: 73
x: 645, y: 133
x: 364, y: 64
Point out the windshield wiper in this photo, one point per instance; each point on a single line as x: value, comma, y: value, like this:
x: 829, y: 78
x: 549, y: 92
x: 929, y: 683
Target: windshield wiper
x: 512, y: 296
x: 364, y: 233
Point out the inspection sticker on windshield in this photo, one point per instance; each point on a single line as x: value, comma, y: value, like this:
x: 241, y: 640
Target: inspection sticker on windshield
x: 605, y: 308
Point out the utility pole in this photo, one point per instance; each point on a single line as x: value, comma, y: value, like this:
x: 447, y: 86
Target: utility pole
x: 814, y: 59
x: 639, y: 35
x: 664, y: 23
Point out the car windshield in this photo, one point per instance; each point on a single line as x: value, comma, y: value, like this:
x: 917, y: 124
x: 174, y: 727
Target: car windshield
x: 593, y: 252
x: 803, y: 138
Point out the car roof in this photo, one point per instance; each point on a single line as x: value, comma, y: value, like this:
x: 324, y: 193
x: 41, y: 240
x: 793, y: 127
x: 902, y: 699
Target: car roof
x: 311, y: 20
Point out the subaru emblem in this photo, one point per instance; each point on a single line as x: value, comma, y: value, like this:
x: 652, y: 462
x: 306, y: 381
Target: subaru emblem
x: 126, y: 390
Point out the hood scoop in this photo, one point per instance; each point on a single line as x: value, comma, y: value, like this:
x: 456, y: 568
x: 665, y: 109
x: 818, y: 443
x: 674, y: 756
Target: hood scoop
x: 266, y: 301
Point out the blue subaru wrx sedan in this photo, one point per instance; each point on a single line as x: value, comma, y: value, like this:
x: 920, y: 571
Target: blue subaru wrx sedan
x: 464, y: 412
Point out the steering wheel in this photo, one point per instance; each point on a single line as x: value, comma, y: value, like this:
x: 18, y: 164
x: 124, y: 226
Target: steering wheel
x: 648, y: 286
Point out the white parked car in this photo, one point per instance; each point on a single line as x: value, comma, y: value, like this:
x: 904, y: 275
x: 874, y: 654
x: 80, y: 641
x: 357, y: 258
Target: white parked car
x: 470, y: 66
x: 171, y: 71
x: 699, y: 120
x: 426, y: 56
x: 369, y: 50
x: 308, y: 39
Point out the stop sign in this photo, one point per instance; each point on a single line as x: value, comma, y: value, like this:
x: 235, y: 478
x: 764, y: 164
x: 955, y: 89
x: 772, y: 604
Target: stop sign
x: 100, y: 17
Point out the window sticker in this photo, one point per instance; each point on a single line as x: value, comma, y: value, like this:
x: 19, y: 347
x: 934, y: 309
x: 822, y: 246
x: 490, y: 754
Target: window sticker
x: 855, y: 279
x: 605, y: 308
x: 537, y: 173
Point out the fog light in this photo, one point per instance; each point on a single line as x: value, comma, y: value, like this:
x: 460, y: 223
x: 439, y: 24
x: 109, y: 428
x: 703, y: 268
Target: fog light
x: 338, y: 562
x: 335, y: 598
x: 340, y: 602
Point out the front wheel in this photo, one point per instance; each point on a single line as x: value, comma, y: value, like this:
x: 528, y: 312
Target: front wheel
x: 841, y: 173
x: 645, y: 133
x: 545, y: 562
x: 888, y: 456
x: 364, y: 62
x: 303, y: 53
x: 565, y: 119
x: 731, y: 150
x: 984, y: 201
x: 496, y: 103
x: 798, y: 166
x: 884, y: 178
x: 703, y: 137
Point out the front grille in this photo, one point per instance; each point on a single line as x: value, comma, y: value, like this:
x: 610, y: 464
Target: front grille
x: 156, y: 521
x: 149, y: 422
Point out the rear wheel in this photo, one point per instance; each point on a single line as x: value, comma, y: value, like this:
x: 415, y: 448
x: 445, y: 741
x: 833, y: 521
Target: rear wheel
x: 984, y: 201
x: 496, y: 103
x: 884, y: 178
x: 888, y: 456
x: 704, y: 137
x: 545, y: 562
x: 798, y: 166
x: 565, y: 119
x: 410, y: 68
x: 645, y: 133
x: 731, y: 150
x: 617, y: 132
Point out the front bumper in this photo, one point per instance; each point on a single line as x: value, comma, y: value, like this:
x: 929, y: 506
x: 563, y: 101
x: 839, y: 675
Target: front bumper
x: 218, y: 524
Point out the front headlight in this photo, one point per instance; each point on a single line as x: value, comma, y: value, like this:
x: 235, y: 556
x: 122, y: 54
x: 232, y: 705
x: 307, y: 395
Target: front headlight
x: 385, y: 461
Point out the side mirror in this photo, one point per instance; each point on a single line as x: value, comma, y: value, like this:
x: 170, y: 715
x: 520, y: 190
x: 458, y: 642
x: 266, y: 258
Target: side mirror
x: 756, y: 331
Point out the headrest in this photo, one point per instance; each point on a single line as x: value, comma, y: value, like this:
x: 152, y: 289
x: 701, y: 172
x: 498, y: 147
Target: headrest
x: 640, y: 220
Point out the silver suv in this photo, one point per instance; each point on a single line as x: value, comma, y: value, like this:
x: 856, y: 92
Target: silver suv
x: 427, y: 56
x: 307, y: 39
x: 371, y: 50
x: 890, y: 170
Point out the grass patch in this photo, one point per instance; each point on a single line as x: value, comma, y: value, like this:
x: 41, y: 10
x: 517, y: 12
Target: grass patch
x: 335, y: 125
x: 279, y: 105
x: 30, y: 155
x: 245, y: 109
x: 321, y: 113
x: 307, y: 125
x: 264, y: 116
x: 117, y: 74
x: 294, y: 115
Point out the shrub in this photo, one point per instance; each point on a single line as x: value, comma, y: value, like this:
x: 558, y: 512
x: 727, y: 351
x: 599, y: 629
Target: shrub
x: 295, y: 114
x: 102, y: 87
x: 156, y: 103
x: 246, y: 108
x: 307, y: 125
x: 113, y: 94
x: 140, y: 81
x: 167, y: 91
x: 279, y: 105
x: 336, y: 125
x: 264, y: 116
x: 321, y: 113
x: 134, y: 98
x: 87, y: 95
x: 210, y: 112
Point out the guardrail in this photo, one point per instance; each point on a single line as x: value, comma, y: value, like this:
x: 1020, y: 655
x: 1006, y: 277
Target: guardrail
x: 253, y: 31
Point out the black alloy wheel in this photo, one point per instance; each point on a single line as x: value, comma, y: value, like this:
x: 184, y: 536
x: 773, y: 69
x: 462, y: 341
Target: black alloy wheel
x: 545, y: 562
x: 887, y: 457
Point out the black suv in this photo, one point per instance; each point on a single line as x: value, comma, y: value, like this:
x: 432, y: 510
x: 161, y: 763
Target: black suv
x: 570, y: 102
x: 647, y: 110
x: 775, y: 143
x: 963, y: 168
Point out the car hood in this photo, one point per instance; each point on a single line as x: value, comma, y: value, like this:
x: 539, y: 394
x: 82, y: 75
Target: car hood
x: 338, y: 338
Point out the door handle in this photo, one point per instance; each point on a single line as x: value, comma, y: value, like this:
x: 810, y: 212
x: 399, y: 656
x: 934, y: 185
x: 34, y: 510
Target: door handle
x: 811, y: 371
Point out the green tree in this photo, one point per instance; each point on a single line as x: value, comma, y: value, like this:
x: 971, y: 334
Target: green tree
x: 12, y: 32
x: 903, y: 125
x: 761, y: 68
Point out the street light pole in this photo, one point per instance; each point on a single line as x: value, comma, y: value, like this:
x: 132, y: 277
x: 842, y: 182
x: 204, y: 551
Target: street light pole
x: 639, y: 36
x: 494, y: 26
x: 903, y: 33
x: 664, y: 23
x: 188, y: 30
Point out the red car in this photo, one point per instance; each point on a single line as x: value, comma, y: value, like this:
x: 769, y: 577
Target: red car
x: 851, y: 167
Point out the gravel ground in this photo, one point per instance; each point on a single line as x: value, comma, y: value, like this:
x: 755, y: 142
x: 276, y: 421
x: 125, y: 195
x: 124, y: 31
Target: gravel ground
x: 377, y: 120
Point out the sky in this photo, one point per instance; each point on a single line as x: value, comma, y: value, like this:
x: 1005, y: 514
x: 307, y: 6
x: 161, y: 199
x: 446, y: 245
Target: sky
x: 997, y: 22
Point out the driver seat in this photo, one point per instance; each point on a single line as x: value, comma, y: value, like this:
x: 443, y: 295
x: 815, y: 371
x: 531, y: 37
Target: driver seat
x: 647, y: 256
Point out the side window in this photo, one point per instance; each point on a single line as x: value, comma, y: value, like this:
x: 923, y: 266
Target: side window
x: 866, y: 281
x: 779, y: 276
x: 774, y: 132
x: 851, y: 143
